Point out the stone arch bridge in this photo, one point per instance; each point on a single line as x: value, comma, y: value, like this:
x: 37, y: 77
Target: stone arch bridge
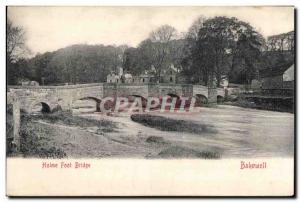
x: 63, y: 97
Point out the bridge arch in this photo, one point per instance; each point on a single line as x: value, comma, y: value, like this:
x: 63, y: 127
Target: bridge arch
x: 140, y: 96
x: 42, y: 106
x: 143, y: 99
x: 220, y: 99
x: 200, y: 99
x: 45, y: 107
x: 221, y: 92
x: 97, y: 102
x: 173, y: 95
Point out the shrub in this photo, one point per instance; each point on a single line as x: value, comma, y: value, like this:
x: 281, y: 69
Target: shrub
x: 182, y: 152
x: 167, y: 124
x: 156, y: 140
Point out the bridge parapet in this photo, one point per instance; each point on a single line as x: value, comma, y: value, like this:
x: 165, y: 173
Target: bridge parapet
x: 64, y: 96
x: 176, y: 89
x: 200, y: 90
x: 125, y: 89
x: 55, y: 87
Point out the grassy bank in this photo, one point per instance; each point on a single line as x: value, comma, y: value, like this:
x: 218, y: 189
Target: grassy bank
x: 37, y: 141
x: 167, y: 124
x: 66, y: 118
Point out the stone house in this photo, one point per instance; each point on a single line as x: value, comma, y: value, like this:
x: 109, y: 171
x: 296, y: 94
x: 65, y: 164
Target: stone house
x: 127, y: 78
x: 169, y: 75
x: 121, y: 77
x: 146, y: 77
x: 113, y: 78
x: 280, y: 77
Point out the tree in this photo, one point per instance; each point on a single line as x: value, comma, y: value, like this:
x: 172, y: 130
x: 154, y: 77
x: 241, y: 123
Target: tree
x: 15, y: 47
x: 144, y: 57
x: 248, y: 51
x: 77, y: 64
x: 281, y: 42
x: 155, y: 50
x: 164, y: 34
x: 217, y: 46
x: 192, y: 34
x: 132, y: 61
x: 176, y: 53
x: 15, y: 51
x: 18, y: 71
x: 38, y: 66
x: 190, y: 57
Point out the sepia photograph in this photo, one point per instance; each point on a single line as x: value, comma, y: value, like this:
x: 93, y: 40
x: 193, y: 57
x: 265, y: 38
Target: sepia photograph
x: 91, y: 85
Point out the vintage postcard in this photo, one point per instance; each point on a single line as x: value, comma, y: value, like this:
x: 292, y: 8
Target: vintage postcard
x: 150, y: 101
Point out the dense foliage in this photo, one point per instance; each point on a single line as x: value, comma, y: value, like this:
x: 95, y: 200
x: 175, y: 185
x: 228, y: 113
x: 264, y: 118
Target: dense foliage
x: 73, y: 64
x: 211, y: 48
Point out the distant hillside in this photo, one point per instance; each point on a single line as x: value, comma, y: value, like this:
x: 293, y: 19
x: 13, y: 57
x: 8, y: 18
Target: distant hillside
x: 76, y: 64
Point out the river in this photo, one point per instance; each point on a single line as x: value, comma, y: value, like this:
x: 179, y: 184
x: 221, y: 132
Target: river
x: 239, y: 132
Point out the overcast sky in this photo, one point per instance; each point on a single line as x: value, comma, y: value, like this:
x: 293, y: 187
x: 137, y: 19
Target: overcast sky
x: 51, y: 28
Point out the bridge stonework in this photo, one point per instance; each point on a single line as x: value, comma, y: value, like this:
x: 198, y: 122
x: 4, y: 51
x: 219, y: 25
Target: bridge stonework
x: 65, y: 96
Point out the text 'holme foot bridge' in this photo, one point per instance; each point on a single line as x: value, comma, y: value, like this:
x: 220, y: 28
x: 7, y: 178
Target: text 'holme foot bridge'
x: 63, y: 97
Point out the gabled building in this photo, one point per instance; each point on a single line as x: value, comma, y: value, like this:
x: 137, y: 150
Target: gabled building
x: 113, y: 78
x: 169, y: 74
x: 146, y: 77
x: 278, y: 77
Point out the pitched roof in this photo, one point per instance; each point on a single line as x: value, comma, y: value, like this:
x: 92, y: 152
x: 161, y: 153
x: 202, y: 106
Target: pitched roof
x: 274, y: 71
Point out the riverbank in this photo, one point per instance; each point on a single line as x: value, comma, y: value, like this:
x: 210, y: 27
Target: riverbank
x: 264, y: 103
x: 39, y: 134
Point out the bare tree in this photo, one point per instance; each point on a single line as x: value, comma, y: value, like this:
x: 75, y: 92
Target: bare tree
x: 16, y: 47
x: 193, y: 31
x: 163, y: 34
x: 160, y: 39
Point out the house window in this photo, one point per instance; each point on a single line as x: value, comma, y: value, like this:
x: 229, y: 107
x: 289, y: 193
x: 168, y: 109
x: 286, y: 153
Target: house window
x: 171, y: 79
x: 117, y: 80
x: 143, y: 80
